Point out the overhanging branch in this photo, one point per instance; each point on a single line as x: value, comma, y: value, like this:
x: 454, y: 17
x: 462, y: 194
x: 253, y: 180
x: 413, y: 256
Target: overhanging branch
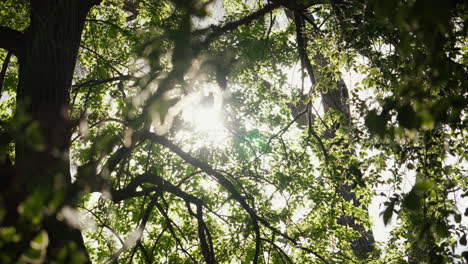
x: 103, y: 81
x: 221, y: 179
x: 302, y: 47
x: 161, y: 186
x: 138, y: 232
x: 256, y: 219
x: 218, y: 31
x: 3, y: 71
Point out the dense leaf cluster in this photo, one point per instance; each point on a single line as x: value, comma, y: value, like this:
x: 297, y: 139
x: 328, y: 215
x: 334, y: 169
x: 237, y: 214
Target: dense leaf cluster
x: 296, y: 159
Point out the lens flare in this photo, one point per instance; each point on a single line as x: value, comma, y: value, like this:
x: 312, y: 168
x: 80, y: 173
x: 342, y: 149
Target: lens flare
x: 208, y: 123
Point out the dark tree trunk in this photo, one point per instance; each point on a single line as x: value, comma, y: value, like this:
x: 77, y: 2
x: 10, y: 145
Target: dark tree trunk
x: 337, y: 99
x: 333, y: 99
x: 47, y: 61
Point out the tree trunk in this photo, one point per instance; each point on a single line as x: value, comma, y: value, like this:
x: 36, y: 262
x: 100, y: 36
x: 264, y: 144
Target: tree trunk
x: 47, y: 62
x: 337, y: 99
x: 333, y: 99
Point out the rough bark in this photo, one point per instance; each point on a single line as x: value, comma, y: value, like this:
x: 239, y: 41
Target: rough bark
x: 335, y: 99
x: 47, y: 60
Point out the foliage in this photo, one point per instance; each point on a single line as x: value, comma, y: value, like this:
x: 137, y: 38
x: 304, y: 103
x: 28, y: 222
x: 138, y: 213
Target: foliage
x: 153, y: 187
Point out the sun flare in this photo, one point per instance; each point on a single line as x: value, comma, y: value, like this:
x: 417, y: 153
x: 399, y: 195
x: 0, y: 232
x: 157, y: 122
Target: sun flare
x: 208, y: 121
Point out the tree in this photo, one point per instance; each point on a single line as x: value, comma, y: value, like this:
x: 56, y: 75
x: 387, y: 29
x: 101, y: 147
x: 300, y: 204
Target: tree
x: 91, y: 123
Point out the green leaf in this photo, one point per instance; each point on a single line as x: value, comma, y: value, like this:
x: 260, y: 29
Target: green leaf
x: 161, y: 107
x: 40, y: 241
x: 412, y: 200
x: 33, y: 254
x: 407, y: 117
x: 441, y: 229
x: 423, y: 186
x: 465, y: 255
x: 463, y: 240
x: 375, y: 123
x: 388, y: 213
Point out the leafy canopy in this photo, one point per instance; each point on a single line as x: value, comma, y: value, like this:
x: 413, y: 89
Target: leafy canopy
x: 262, y: 185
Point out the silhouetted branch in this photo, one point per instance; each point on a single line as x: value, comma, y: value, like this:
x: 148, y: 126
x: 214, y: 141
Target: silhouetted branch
x: 103, y: 81
x: 169, y: 224
x: 162, y: 185
x: 218, y: 31
x: 4, y: 69
x: 220, y: 178
x: 139, y: 232
x: 311, y: 21
x: 279, y: 250
x: 302, y: 47
x: 125, y: 32
x: 234, y: 193
x: 206, y: 242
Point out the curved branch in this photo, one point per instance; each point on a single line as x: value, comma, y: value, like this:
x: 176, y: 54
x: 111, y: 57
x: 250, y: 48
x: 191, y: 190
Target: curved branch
x: 125, y: 32
x: 220, y: 178
x: 4, y: 69
x: 99, y: 82
x: 218, y: 31
x: 234, y: 193
x: 302, y: 47
x: 162, y: 185
x: 137, y: 233
x: 169, y: 224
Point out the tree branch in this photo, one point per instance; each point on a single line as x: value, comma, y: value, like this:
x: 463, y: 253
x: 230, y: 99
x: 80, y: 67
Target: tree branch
x: 125, y: 32
x: 137, y: 234
x: 206, y: 242
x: 218, y: 31
x: 165, y: 186
x: 235, y: 194
x: 162, y: 186
x: 278, y: 249
x: 311, y: 22
x: 106, y: 61
x: 169, y: 224
x: 99, y: 82
x: 302, y: 47
x: 11, y: 40
x: 220, y: 178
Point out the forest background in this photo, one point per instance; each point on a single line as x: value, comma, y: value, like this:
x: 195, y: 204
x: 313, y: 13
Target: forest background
x: 142, y: 131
